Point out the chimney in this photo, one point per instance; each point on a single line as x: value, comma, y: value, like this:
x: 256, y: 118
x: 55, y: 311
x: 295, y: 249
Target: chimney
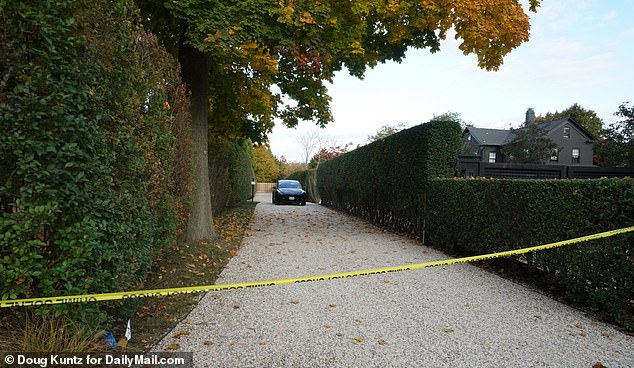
x: 530, y: 117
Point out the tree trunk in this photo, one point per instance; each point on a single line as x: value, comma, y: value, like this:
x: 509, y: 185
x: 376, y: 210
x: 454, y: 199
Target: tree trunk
x: 195, y: 69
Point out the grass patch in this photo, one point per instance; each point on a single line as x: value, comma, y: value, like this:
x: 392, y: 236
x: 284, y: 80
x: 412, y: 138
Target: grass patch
x: 29, y: 333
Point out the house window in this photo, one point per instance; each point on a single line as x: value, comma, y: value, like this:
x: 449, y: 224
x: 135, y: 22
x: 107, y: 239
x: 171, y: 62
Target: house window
x: 566, y: 132
x: 575, y: 155
x: 554, y: 155
x: 492, y: 157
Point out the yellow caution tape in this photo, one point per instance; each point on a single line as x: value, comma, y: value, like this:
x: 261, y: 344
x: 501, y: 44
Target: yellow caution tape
x: 332, y: 276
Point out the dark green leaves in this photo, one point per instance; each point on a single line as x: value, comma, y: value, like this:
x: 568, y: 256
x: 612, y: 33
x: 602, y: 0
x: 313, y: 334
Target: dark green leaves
x: 479, y: 216
x: 385, y: 181
x: 87, y: 147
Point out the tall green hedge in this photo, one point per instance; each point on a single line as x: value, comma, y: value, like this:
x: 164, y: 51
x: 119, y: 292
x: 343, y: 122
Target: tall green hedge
x: 87, y: 150
x: 485, y: 216
x: 230, y: 172
x: 402, y: 182
x: 384, y: 181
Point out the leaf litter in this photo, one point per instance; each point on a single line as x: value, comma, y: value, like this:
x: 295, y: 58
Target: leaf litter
x: 186, y: 265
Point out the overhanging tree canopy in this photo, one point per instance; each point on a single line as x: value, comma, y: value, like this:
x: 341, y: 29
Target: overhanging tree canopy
x: 297, y: 45
x: 245, y: 47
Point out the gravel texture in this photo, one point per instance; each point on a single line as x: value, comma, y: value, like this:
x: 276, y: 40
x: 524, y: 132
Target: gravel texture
x: 452, y: 316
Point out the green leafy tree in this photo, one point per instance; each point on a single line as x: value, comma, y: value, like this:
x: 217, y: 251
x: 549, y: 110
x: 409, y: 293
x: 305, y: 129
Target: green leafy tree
x: 267, y: 168
x: 584, y: 117
x: 386, y: 131
x: 530, y: 146
x: 232, y: 52
x: 616, y: 147
x: 449, y: 116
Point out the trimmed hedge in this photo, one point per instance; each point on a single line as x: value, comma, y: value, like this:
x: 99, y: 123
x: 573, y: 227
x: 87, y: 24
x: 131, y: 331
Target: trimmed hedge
x: 484, y: 216
x: 308, y: 178
x: 230, y: 172
x: 398, y: 182
x: 384, y: 181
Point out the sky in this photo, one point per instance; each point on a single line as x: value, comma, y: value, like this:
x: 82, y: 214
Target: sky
x: 580, y: 51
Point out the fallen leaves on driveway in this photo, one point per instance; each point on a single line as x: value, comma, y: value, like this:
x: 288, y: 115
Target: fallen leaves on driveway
x: 173, y: 347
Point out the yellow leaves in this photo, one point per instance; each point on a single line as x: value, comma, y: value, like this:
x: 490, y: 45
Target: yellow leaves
x: 122, y: 343
x: 249, y: 46
x: 288, y: 15
x: 180, y: 334
x: 233, y: 30
x: 173, y: 347
x: 358, y: 339
x: 447, y: 330
x: 264, y: 62
x: 579, y: 325
x: 393, y: 6
x: 490, y: 29
x: 258, y: 57
x: 357, y: 48
x: 287, y: 11
x: 166, y: 106
x: 305, y: 17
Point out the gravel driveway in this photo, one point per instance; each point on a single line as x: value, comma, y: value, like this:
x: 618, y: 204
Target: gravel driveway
x: 452, y: 316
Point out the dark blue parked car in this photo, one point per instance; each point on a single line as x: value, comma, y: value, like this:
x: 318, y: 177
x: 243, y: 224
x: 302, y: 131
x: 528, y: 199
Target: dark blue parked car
x: 289, y: 192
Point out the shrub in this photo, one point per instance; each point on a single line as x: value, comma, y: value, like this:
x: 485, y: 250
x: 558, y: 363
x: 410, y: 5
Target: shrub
x: 87, y: 140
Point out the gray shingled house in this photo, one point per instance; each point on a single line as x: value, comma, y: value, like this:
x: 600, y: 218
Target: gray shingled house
x: 573, y: 141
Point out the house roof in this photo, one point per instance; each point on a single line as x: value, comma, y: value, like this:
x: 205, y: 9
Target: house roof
x: 500, y: 137
x: 490, y: 137
x: 551, y: 125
